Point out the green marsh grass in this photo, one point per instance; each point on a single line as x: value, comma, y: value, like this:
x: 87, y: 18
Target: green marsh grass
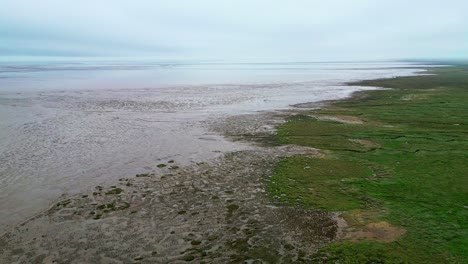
x: 415, y: 168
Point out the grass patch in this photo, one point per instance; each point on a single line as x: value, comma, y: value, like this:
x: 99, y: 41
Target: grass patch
x: 318, y: 183
x: 329, y: 135
x: 418, y: 158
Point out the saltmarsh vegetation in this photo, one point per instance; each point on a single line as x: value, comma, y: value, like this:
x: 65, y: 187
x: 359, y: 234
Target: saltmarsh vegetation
x: 398, y: 155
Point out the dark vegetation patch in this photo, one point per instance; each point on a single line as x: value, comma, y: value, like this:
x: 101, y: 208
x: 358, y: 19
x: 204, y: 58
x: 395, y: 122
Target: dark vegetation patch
x: 114, y: 191
x: 195, y: 242
x: 188, y: 258
x: 231, y: 208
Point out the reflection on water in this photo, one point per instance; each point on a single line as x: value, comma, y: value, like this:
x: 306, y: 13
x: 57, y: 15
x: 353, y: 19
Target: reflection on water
x: 98, y: 75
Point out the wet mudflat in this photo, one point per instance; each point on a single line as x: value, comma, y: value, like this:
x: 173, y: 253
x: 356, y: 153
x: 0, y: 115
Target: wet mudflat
x: 209, y: 212
x: 209, y: 205
x: 67, y: 128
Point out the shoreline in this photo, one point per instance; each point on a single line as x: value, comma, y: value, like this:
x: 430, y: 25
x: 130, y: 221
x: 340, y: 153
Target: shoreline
x: 117, y: 210
x: 67, y: 142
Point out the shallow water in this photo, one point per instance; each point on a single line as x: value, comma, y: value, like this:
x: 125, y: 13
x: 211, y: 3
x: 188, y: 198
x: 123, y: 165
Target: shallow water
x: 66, y: 127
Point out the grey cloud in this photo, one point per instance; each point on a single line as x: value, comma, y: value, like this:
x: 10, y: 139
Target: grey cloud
x: 255, y: 29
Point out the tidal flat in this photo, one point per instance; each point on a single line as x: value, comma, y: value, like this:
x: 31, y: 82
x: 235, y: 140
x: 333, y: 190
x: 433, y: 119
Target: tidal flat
x: 69, y: 126
x: 353, y: 182
x: 213, y: 212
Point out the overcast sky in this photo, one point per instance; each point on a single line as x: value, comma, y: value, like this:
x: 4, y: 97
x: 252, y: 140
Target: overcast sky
x: 236, y: 29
